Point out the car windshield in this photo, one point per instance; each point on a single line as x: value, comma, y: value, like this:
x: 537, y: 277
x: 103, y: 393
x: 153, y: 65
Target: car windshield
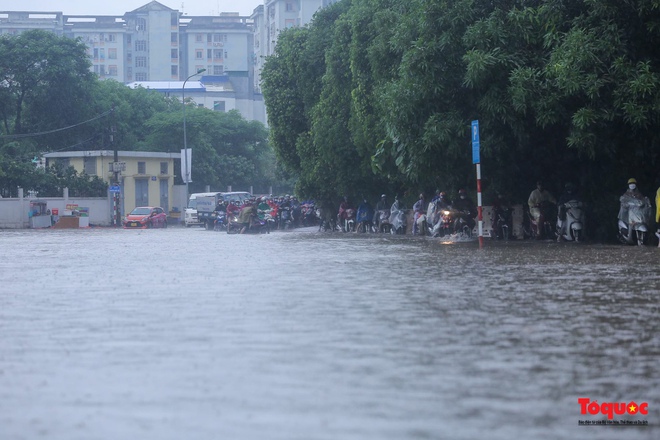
x: 141, y: 211
x: 192, y: 203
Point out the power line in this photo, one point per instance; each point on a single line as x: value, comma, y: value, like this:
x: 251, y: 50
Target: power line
x: 26, y: 135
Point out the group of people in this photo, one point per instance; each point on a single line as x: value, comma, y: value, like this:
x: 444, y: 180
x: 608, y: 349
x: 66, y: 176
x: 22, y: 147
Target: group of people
x: 277, y: 210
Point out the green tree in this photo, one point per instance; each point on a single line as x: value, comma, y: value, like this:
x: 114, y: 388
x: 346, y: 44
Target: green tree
x: 46, y: 84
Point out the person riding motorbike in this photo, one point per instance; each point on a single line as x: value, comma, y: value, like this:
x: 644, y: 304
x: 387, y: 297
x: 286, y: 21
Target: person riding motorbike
x: 467, y: 211
x: 419, y: 209
x: 342, y: 215
x: 380, y: 207
x: 233, y: 208
x: 246, y: 216
x: 364, y: 215
x: 538, y: 199
x: 439, y: 204
x: 569, y: 194
x: 635, y: 209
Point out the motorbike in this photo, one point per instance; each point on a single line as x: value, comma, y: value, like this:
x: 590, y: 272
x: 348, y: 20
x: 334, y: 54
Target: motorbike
x: 220, y: 221
x: 384, y: 224
x: 444, y: 224
x: 256, y: 226
x: 502, y: 223
x: 309, y: 217
x: 398, y: 221
x: 634, y: 220
x: 364, y: 219
x: 542, y: 228
x: 572, y: 229
x: 461, y: 224
x: 285, y: 220
x: 421, y: 225
x: 349, y: 221
x: 326, y: 222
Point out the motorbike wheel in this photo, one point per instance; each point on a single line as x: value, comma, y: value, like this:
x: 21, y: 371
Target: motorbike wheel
x: 505, y: 232
x: 208, y: 225
x: 641, y: 236
x: 577, y: 235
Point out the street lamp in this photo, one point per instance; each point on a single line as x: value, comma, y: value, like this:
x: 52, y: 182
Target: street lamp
x: 185, y: 140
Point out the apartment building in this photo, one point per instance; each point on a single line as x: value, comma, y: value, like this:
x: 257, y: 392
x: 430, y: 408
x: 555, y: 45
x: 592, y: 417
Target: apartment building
x: 155, y: 43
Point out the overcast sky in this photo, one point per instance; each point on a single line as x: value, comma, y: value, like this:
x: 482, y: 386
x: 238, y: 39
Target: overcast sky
x: 119, y: 7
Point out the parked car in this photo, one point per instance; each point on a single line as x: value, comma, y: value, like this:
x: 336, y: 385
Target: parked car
x: 144, y: 217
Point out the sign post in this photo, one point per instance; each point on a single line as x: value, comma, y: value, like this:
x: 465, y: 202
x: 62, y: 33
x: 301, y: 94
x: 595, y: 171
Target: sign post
x: 477, y: 161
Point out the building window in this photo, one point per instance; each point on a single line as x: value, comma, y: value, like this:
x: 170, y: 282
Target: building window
x: 163, y: 168
x: 128, y: 39
x: 102, y: 70
x: 112, y: 70
x: 89, y: 165
x: 140, y: 45
x: 96, y: 54
x: 289, y: 23
x: 174, y: 37
x: 102, y: 54
x: 174, y: 20
x: 140, y: 24
x: 142, y: 168
x: 289, y: 7
x: 129, y: 56
x: 226, y: 54
x: 175, y: 54
x: 140, y: 76
x: 209, y: 38
x: 175, y: 71
x: 218, y: 70
x: 140, y: 61
x: 219, y: 106
x: 112, y: 54
x: 199, y: 38
x: 199, y: 54
x: 112, y: 38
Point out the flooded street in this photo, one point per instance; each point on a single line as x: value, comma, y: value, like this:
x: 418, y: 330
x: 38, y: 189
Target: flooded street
x: 189, y: 334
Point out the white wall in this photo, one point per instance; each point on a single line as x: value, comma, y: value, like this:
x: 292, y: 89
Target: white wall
x: 14, y: 211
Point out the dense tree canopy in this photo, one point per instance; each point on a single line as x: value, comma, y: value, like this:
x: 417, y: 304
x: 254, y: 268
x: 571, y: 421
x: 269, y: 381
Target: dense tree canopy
x: 379, y: 94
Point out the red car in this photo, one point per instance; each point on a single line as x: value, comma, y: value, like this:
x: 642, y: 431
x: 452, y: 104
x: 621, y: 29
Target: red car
x: 144, y: 217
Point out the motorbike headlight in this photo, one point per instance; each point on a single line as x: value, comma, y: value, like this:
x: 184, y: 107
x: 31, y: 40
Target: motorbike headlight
x: 445, y: 212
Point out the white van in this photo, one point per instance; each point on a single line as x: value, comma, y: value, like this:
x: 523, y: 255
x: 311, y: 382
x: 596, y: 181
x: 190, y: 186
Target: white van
x: 190, y: 217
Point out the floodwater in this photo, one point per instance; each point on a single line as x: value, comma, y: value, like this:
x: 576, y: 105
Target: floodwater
x: 190, y: 334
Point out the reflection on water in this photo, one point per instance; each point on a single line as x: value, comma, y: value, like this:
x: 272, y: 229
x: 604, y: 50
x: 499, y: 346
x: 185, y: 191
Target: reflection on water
x: 170, y: 334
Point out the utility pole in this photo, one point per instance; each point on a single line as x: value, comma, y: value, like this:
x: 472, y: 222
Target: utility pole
x: 115, y: 169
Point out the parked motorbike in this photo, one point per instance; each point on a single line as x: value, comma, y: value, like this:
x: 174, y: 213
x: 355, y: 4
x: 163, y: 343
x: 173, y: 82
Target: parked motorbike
x: 572, y: 229
x: 326, y: 221
x: 634, y: 219
x: 399, y: 222
x: 502, y: 223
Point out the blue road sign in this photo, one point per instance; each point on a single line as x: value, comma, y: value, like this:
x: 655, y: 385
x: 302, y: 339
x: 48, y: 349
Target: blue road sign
x: 115, y: 189
x: 475, y: 142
